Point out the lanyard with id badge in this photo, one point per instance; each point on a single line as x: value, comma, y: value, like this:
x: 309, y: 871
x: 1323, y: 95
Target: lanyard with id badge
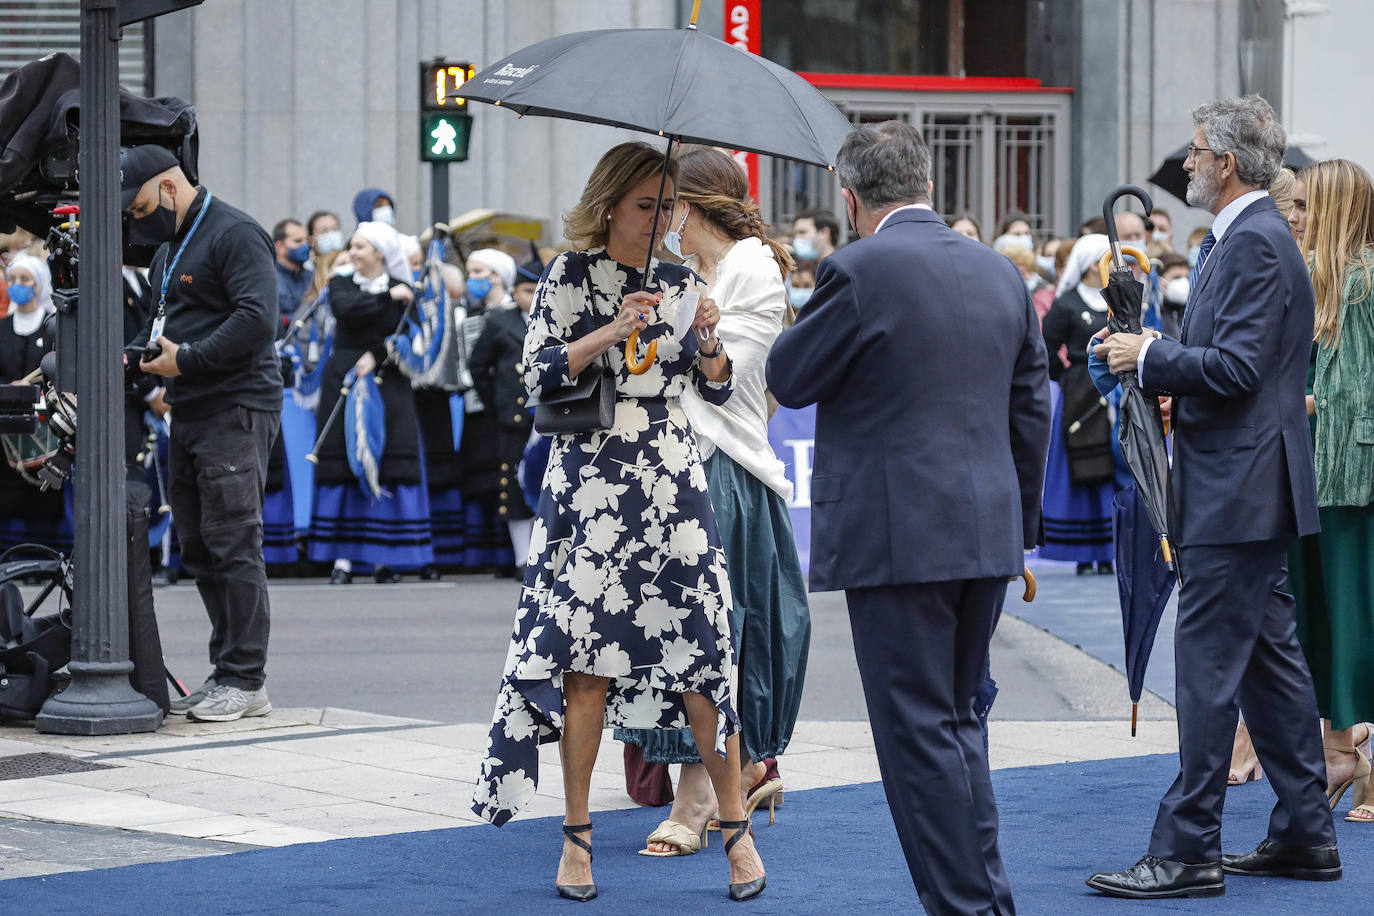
x: 168, y: 272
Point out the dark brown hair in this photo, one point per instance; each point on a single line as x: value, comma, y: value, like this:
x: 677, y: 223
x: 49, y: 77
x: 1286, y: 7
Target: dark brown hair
x: 713, y: 183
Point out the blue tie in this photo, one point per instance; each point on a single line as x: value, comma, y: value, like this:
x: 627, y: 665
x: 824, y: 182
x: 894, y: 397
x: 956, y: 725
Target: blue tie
x: 1209, y: 242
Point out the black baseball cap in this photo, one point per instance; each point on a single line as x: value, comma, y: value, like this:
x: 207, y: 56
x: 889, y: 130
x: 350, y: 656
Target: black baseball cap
x: 137, y: 165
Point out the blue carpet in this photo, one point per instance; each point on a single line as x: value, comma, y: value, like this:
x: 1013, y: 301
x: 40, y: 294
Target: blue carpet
x: 831, y: 850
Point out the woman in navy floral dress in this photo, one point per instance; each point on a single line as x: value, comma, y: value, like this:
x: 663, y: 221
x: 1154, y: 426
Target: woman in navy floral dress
x: 624, y: 618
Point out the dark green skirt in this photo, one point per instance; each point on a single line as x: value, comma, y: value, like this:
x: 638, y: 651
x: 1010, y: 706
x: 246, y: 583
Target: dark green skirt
x: 1332, y: 577
x: 771, y: 622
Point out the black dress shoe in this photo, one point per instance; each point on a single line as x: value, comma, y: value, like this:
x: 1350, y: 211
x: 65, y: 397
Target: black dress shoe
x: 340, y: 577
x: 384, y: 575
x: 1306, y: 863
x: 1153, y: 877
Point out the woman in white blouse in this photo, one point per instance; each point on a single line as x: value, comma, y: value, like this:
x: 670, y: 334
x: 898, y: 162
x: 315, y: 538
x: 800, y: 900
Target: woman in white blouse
x: 717, y: 228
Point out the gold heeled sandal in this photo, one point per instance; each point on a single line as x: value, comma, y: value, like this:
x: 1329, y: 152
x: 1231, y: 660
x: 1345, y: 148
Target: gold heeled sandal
x: 770, y: 791
x: 1358, y: 784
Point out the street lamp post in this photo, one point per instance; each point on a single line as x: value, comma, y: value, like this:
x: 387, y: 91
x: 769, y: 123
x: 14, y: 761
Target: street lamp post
x: 100, y: 700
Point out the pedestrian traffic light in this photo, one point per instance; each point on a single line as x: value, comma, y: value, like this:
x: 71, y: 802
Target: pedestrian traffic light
x: 444, y: 137
x: 445, y: 128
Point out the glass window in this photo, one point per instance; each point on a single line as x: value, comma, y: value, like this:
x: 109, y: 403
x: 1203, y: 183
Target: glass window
x: 858, y: 36
x: 30, y: 29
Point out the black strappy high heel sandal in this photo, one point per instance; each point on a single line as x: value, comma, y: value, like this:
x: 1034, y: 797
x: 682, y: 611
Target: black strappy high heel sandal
x: 745, y: 890
x: 579, y: 892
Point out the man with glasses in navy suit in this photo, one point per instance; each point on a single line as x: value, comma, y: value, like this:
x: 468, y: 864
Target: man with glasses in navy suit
x: 1243, y: 488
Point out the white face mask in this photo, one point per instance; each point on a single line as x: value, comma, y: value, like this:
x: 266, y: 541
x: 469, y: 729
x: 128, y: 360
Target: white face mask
x: 1159, y: 236
x: 672, y: 239
x: 384, y: 215
x: 1176, y: 293
x: 329, y: 242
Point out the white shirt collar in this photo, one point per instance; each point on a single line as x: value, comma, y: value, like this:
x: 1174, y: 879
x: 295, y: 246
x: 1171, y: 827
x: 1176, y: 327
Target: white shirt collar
x: 1228, y: 213
x: 892, y: 213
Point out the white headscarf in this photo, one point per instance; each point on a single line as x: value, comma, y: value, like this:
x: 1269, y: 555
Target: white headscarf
x: 498, y: 262
x: 42, y: 279
x: 387, y: 241
x: 1087, y: 251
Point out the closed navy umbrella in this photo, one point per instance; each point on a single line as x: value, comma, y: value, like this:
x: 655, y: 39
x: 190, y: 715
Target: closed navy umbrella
x: 1144, y: 583
x: 1140, y: 514
x: 676, y: 83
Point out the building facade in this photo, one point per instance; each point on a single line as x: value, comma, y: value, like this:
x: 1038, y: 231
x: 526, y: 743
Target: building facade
x: 1033, y: 105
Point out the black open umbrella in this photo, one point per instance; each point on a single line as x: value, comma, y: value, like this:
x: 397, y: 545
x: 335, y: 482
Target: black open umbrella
x: 677, y: 83
x: 1171, y: 177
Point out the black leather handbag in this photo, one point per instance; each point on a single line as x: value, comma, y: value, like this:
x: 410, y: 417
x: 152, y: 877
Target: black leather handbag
x: 586, y: 405
x: 582, y: 407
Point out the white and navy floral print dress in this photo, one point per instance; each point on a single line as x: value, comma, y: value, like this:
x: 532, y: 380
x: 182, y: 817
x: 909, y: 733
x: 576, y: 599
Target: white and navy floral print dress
x: 626, y: 576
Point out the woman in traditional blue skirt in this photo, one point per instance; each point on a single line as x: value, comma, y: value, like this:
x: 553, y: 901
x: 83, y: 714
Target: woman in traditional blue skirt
x: 719, y: 227
x: 278, y: 509
x: 380, y: 525
x: 1078, y: 515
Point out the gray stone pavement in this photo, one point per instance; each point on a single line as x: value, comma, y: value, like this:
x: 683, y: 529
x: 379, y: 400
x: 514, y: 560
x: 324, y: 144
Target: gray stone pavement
x: 383, y: 695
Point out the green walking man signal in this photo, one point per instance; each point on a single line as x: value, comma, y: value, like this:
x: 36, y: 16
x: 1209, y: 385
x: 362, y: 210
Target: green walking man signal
x: 445, y: 126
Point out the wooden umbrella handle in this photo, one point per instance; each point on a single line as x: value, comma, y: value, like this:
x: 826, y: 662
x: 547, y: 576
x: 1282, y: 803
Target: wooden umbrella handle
x: 1104, y: 262
x: 632, y: 362
x: 1029, y: 594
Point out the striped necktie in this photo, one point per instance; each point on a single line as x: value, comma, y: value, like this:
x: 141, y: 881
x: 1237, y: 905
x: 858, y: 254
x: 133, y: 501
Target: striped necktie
x: 1209, y: 241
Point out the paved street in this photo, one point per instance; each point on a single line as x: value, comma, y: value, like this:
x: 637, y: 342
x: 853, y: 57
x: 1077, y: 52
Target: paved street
x: 435, y: 650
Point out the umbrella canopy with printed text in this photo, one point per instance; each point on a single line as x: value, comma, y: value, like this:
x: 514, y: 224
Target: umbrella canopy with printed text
x: 677, y: 83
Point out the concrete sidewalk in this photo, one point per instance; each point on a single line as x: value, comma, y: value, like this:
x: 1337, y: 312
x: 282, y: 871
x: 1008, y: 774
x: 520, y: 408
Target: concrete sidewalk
x: 313, y: 775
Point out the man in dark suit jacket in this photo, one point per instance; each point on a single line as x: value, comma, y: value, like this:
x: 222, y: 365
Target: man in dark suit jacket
x: 922, y: 350
x: 1243, y: 487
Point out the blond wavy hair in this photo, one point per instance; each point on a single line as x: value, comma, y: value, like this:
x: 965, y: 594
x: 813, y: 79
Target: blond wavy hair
x: 620, y: 169
x: 1281, y: 190
x: 1339, y: 240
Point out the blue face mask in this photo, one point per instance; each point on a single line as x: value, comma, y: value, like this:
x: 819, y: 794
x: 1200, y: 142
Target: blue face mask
x: 478, y: 288
x: 799, y: 296
x: 300, y: 254
x: 805, y: 249
x: 20, y: 293
x: 1193, y: 254
x: 1045, y: 263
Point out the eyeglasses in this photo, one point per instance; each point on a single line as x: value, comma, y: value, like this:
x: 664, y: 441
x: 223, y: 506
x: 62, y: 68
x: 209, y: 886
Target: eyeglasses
x: 1194, y: 150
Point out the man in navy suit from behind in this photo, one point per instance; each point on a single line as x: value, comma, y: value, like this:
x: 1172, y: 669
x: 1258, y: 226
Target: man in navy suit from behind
x: 1243, y: 487
x: 922, y: 351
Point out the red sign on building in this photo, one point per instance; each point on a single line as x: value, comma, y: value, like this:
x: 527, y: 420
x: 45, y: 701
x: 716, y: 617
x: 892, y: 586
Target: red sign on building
x: 742, y: 30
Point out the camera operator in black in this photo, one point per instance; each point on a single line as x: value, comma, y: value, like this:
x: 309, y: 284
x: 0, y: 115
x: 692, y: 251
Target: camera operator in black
x: 215, y: 318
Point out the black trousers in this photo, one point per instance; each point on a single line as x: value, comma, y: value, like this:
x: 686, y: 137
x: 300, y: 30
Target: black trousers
x: 922, y: 652
x: 1235, y: 646
x: 218, y: 475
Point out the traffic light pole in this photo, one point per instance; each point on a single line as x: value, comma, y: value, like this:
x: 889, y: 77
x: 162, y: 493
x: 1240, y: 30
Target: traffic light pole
x: 438, y: 193
x: 99, y: 700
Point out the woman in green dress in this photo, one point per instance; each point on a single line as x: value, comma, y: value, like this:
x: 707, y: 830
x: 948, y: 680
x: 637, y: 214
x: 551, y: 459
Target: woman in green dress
x: 1337, y: 633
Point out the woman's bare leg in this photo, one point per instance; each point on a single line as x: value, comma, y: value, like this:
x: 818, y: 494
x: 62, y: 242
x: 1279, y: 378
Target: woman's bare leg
x: 584, y: 696
x: 745, y: 864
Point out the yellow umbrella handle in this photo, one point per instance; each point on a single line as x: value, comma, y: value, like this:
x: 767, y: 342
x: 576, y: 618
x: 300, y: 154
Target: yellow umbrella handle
x: 1029, y: 594
x: 1103, y: 269
x: 635, y: 365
